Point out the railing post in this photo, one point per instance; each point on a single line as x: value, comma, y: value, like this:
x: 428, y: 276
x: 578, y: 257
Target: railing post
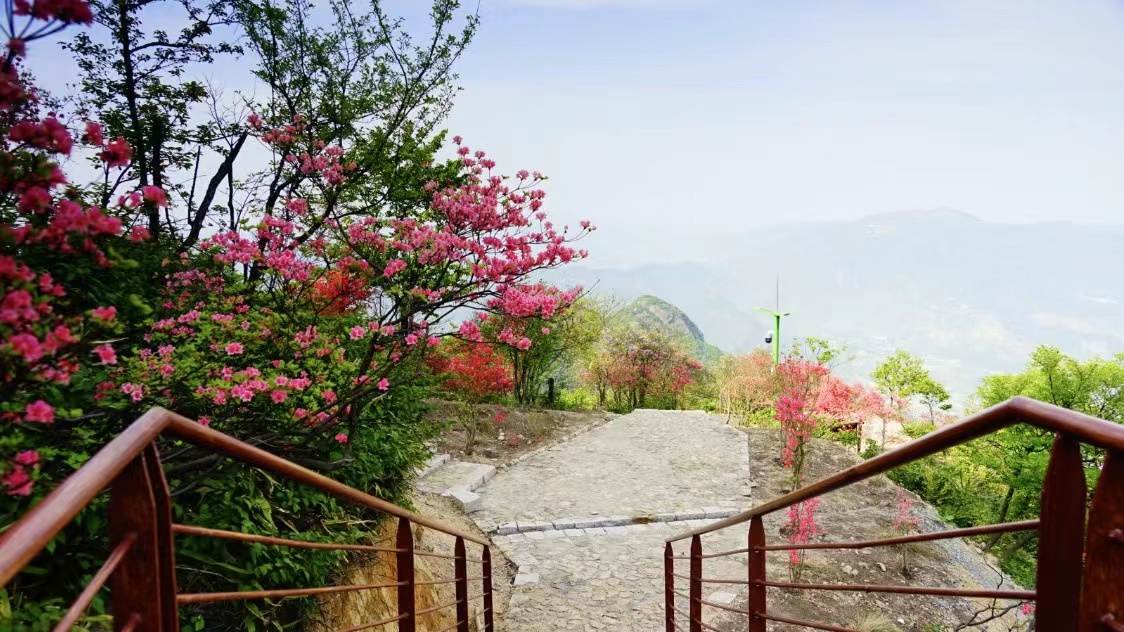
x: 757, y: 602
x: 460, y: 572
x: 696, y: 584
x: 404, y: 542
x: 669, y: 587
x: 1104, y: 553
x: 489, y: 622
x: 1061, y: 539
x: 144, y: 585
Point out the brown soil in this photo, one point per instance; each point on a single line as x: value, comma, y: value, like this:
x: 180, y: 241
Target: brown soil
x: 520, y: 432
x: 345, y: 610
x: 865, y: 511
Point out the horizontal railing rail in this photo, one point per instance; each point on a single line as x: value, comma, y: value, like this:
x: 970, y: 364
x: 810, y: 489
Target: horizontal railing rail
x: 140, y: 569
x: 1080, y: 577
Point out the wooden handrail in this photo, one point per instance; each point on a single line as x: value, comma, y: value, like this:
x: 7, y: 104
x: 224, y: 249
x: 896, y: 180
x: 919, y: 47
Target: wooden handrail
x: 140, y: 531
x: 23, y: 540
x: 199, y: 435
x: 1017, y: 410
x: 1004, y: 527
x: 1079, y: 574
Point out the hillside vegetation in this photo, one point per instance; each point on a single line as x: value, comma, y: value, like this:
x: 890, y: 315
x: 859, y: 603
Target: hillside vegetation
x: 653, y: 313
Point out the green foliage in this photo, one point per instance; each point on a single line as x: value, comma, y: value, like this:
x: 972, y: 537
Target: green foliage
x: 821, y: 351
x: 901, y: 376
x: 871, y: 450
x: 363, y: 83
x: 918, y: 430
x: 934, y: 397
x: 998, y: 478
x: 847, y: 438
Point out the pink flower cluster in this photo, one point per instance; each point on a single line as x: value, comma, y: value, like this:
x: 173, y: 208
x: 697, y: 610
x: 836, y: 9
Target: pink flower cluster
x: 904, y: 521
x: 17, y: 481
x: 43, y: 338
x: 801, y: 527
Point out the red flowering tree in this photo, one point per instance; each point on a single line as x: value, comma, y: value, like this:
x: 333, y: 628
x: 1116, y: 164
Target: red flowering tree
x: 473, y: 373
x: 810, y: 398
x: 905, y: 523
x: 537, y: 344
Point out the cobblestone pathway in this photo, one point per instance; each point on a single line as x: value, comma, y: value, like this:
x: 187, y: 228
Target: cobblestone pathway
x: 661, y: 465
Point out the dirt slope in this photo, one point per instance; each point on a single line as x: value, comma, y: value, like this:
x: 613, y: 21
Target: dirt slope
x: 862, y: 512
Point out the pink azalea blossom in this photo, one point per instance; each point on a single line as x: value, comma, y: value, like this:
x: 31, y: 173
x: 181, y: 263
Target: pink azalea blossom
x: 39, y: 411
x: 106, y: 354
x: 341, y: 437
x: 383, y: 384
x: 104, y: 314
x: 17, y: 482
x: 155, y: 195
x: 234, y: 348
x: 28, y: 458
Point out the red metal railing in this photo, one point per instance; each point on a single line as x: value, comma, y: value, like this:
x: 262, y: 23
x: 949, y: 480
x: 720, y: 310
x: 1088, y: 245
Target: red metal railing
x: 1080, y: 577
x: 140, y: 569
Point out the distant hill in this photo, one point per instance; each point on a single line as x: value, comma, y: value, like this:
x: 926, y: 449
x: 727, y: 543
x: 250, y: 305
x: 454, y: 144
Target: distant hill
x: 654, y: 313
x: 970, y: 297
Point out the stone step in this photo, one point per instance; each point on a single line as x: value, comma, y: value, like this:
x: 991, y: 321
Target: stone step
x: 595, y: 522
x: 457, y: 480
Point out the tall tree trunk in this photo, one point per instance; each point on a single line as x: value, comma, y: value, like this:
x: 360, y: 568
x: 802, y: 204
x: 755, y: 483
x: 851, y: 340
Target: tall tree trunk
x: 1017, y: 546
x: 140, y: 156
x: 1003, y: 509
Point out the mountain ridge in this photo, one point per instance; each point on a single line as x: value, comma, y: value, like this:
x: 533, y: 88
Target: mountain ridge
x: 971, y: 297
x: 654, y: 313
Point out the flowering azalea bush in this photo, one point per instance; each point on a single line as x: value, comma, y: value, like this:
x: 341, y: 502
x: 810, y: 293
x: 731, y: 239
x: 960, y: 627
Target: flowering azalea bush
x: 302, y: 330
x: 473, y: 373
x: 535, y: 343
x: 640, y: 368
x: 801, y: 527
x: 64, y: 265
x: 905, y: 523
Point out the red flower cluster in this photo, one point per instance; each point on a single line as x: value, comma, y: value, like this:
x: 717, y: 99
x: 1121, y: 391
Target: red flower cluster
x: 473, y: 370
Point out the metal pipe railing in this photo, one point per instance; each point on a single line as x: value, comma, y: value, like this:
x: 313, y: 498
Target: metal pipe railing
x: 1080, y: 585
x: 140, y: 567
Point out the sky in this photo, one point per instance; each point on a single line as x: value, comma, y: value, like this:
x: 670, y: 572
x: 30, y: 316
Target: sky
x: 671, y: 122
x: 677, y: 126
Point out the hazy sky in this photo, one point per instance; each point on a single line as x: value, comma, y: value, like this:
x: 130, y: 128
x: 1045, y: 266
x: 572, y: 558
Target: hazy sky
x: 661, y: 120
x: 672, y: 122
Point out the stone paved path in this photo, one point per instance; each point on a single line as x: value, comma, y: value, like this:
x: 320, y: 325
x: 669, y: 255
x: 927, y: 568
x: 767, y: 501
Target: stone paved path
x: 653, y: 464
x: 643, y: 463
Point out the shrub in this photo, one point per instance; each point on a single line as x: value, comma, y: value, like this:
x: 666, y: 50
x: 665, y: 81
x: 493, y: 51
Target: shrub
x: 918, y: 430
x: 302, y: 330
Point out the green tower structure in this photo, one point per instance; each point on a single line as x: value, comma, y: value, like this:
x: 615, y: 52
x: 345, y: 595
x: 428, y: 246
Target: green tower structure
x: 776, y: 314
x: 776, y: 332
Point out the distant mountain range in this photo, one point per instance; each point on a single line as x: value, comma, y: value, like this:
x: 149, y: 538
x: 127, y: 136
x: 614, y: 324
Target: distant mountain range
x: 970, y: 297
x: 650, y: 312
